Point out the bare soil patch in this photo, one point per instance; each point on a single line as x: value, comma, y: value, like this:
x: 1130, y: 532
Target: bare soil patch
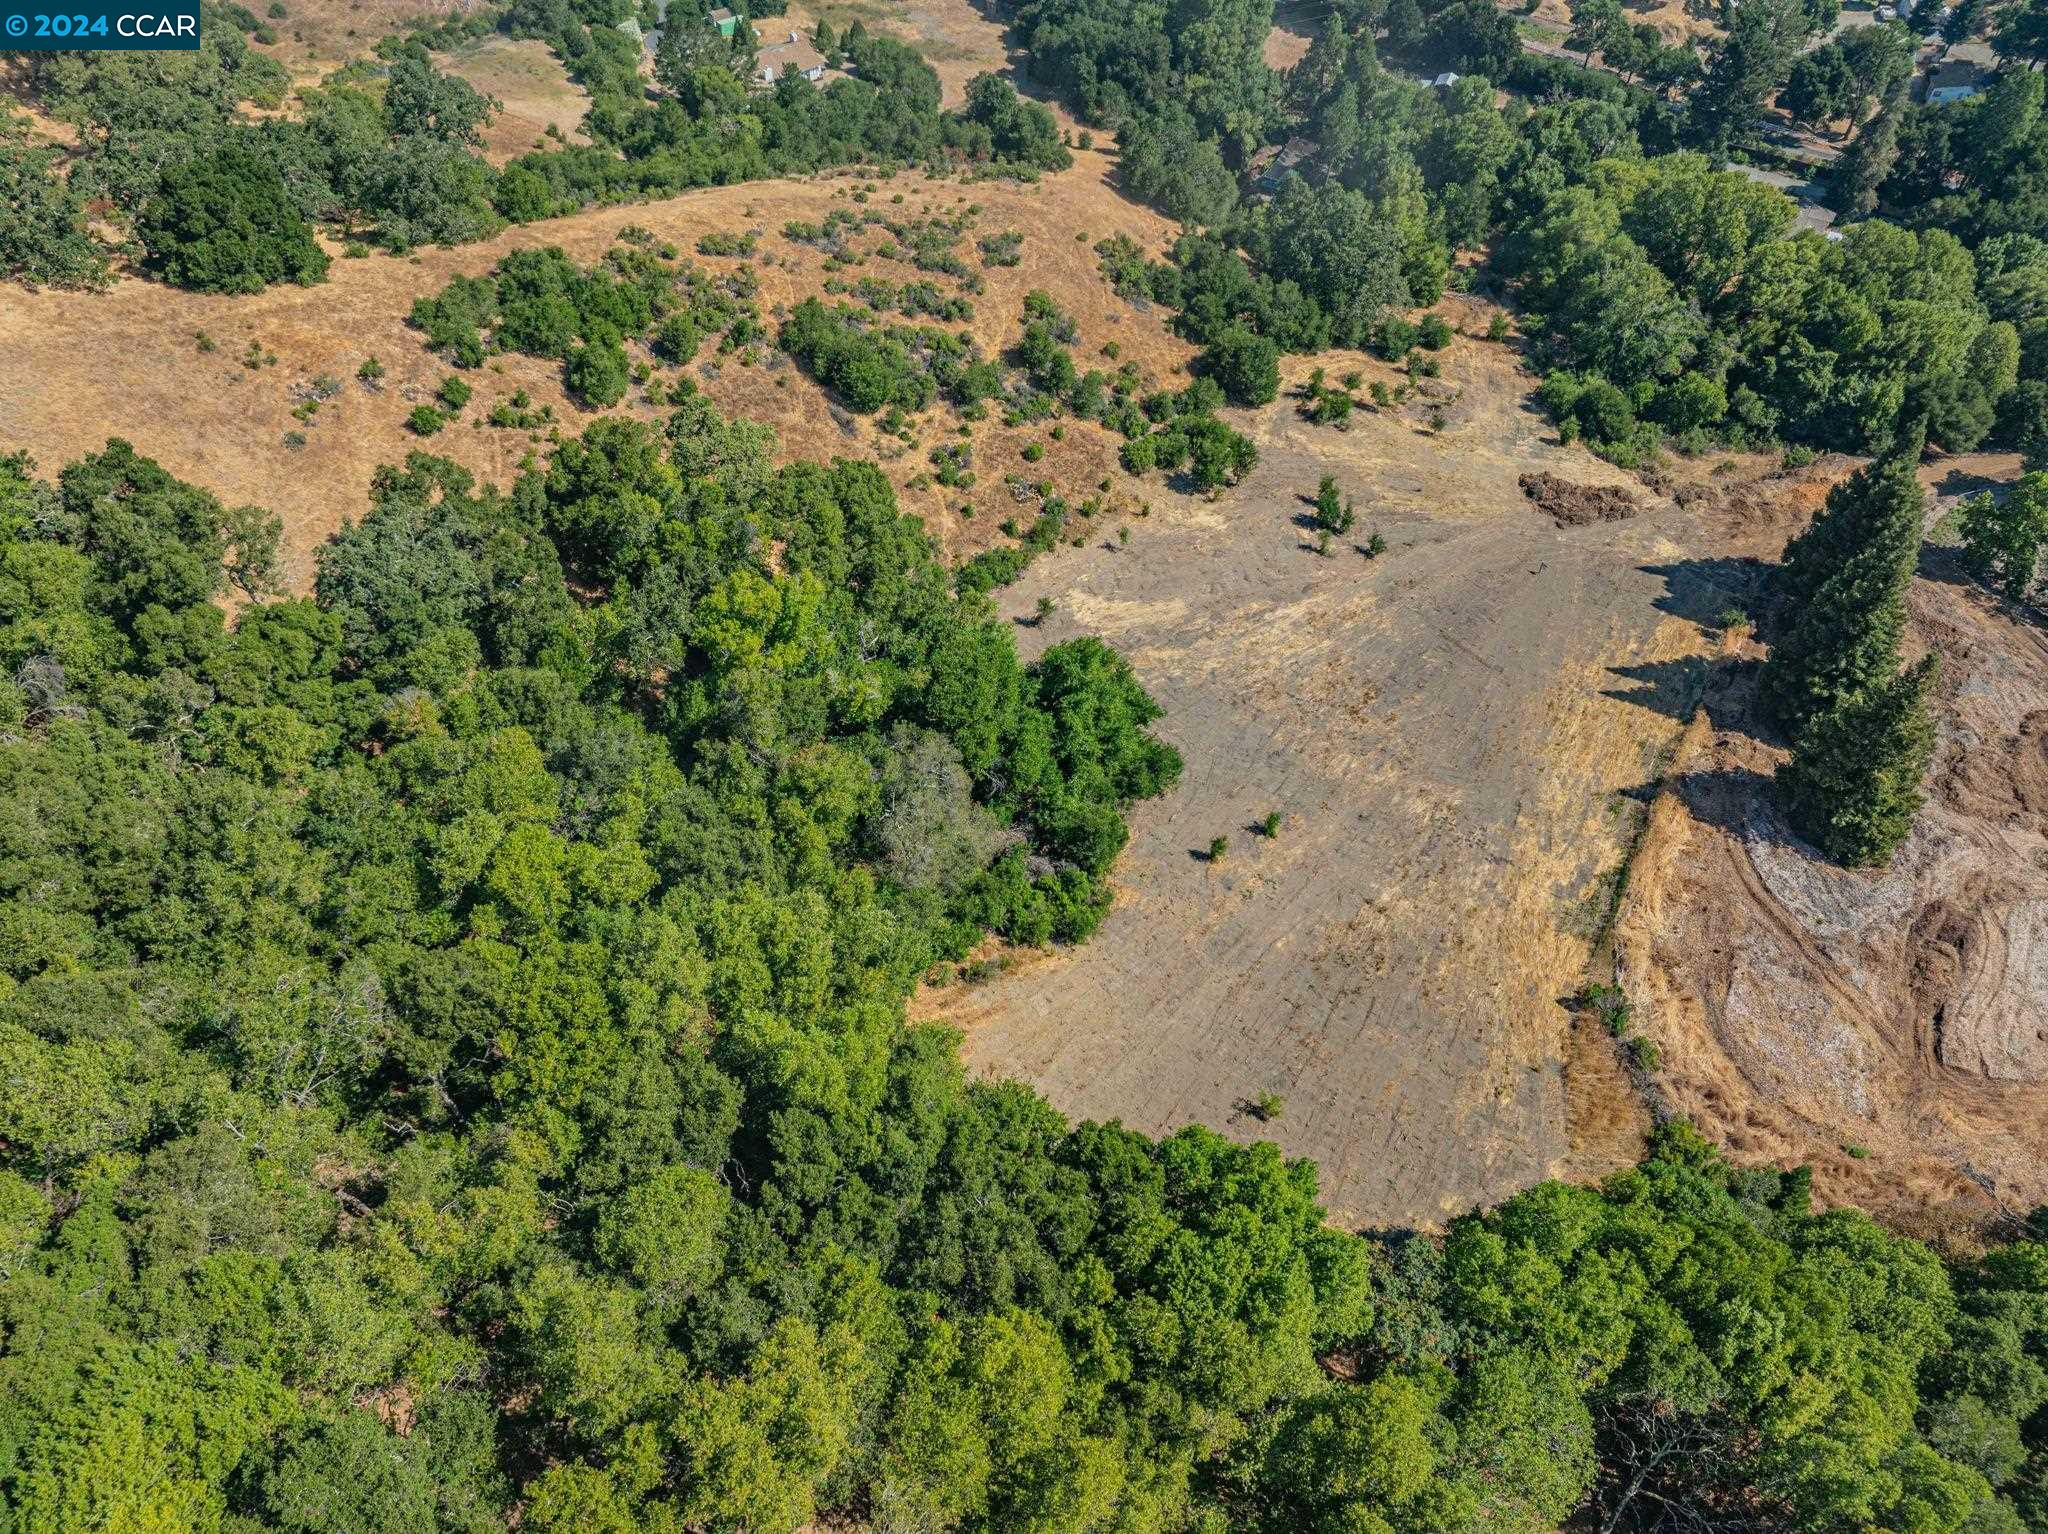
x: 1886, y: 1027
x: 1286, y: 46
x: 1450, y: 733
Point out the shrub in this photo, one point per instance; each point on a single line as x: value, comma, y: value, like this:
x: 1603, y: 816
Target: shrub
x: 677, y: 339
x: 225, y: 223
x: 722, y: 243
x: 426, y: 420
x: 453, y: 393
x: 596, y: 373
x: 1005, y: 249
x: 1435, y: 333
x: 1332, y: 515
x: 1246, y: 365
x: 1689, y: 402
x: 1394, y: 339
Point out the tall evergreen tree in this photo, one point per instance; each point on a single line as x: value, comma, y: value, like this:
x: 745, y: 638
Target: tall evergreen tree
x: 1853, y: 784
x: 1871, y: 157
x: 1843, y: 584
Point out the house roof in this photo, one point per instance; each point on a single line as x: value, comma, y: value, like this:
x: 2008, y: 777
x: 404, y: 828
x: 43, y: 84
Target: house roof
x: 779, y: 58
x: 1951, y: 74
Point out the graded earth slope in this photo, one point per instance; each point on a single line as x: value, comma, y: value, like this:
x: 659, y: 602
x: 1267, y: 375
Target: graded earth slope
x: 1890, y: 1027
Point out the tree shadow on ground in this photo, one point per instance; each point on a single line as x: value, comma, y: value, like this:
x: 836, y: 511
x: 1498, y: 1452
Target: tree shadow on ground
x: 1943, y: 563
x: 1704, y: 591
x: 1960, y: 482
x: 1741, y: 801
x: 1680, y: 688
x: 1673, y: 688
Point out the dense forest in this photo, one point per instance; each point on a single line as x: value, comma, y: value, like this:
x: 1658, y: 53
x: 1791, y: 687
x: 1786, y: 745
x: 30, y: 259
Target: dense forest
x: 1673, y: 298
x: 458, y: 1074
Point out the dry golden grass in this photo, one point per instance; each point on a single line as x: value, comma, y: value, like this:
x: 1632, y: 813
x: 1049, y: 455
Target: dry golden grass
x: 1675, y: 20
x: 534, y: 92
x: 317, y: 36
x: 956, y: 39
x: 127, y: 363
x: 1285, y: 47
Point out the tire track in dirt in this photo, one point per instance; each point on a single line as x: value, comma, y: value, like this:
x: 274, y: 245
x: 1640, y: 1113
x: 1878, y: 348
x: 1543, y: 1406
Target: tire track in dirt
x: 1443, y: 732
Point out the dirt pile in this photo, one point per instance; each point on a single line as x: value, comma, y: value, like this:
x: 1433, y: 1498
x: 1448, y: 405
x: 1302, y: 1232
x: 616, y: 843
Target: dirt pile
x: 1574, y: 505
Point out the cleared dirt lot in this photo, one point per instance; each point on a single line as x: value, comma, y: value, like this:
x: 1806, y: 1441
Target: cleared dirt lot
x: 1448, y: 731
x: 1886, y: 1027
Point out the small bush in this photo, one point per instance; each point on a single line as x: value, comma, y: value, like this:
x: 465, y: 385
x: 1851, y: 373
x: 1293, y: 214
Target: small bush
x: 426, y: 420
x: 721, y: 243
x: 1394, y: 339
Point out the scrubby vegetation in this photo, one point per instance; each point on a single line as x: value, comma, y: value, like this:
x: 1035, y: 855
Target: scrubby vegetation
x: 541, y: 303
